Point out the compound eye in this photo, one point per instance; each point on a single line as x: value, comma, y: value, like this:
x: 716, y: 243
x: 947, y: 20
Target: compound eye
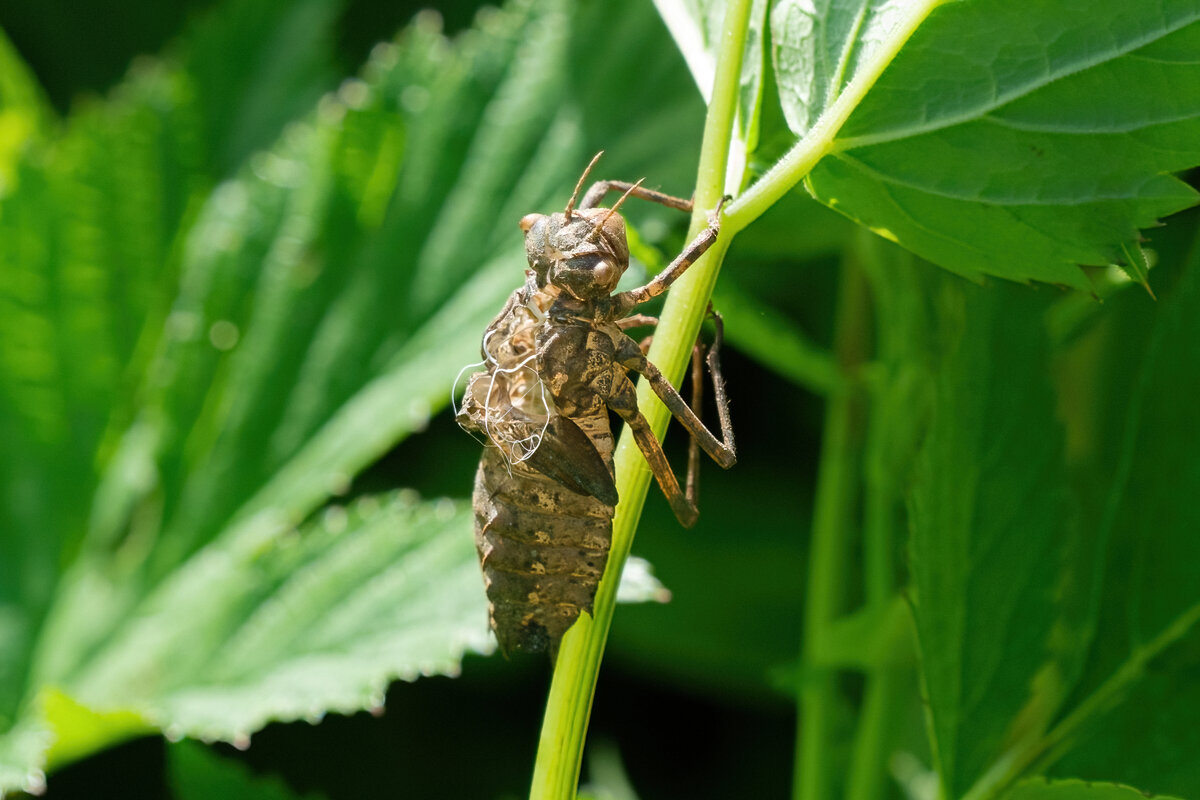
x: 605, y: 273
x: 587, y: 275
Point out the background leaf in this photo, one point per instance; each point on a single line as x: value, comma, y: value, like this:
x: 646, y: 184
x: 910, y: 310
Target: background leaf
x: 23, y: 112
x: 289, y: 49
x: 326, y: 297
x: 1144, y: 651
x: 816, y: 49
x: 696, y: 26
x: 232, y: 285
x: 990, y: 518
x: 1003, y: 141
x: 268, y: 624
x: 75, y: 280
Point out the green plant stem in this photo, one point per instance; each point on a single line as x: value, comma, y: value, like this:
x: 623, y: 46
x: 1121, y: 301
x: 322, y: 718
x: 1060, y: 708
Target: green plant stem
x: 867, y: 777
x: 568, y: 708
x: 829, y: 553
x: 564, y: 728
x: 868, y: 762
x: 821, y: 138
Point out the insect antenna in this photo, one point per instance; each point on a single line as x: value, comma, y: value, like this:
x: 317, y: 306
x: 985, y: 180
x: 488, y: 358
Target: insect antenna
x: 600, y: 225
x: 579, y: 185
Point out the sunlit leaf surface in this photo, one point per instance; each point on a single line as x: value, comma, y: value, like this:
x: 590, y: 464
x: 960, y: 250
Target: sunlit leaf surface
x: 1004, y: 139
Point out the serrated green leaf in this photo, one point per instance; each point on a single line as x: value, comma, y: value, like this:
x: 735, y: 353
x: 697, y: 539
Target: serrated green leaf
x: 991, y: 519
x: 84, y: 237
x: 80, y: 276
x: 1076, y: 790
x: 325, y: 298
x: 1018, y: 141
x: 816, y: 50
x: 87, y: 254
x: 217, y: 421
x: 269, y: 622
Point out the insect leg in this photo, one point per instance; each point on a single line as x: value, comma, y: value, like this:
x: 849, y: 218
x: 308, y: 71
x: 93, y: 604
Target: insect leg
x: 623, y: 301
x: 692, y: 482
x: 623, y: 400
x: 636, y: 321
x: 597, y: 191
x: 722, y: 451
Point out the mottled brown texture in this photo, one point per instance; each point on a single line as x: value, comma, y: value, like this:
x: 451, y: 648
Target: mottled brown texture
x: 543, y: 549
x: 556, y: 361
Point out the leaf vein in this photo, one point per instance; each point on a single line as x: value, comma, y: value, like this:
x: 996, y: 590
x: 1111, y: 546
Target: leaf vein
x: 1000, y: 99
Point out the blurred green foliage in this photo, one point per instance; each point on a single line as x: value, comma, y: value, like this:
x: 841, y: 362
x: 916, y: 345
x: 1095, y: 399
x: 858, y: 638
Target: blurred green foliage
x: 237, y: 279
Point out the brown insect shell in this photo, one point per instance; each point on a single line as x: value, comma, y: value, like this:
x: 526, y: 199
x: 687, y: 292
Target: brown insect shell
x: 573, y: 255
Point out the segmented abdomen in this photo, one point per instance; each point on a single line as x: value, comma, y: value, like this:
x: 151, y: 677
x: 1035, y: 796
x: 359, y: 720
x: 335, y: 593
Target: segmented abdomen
x: 542, y: 546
